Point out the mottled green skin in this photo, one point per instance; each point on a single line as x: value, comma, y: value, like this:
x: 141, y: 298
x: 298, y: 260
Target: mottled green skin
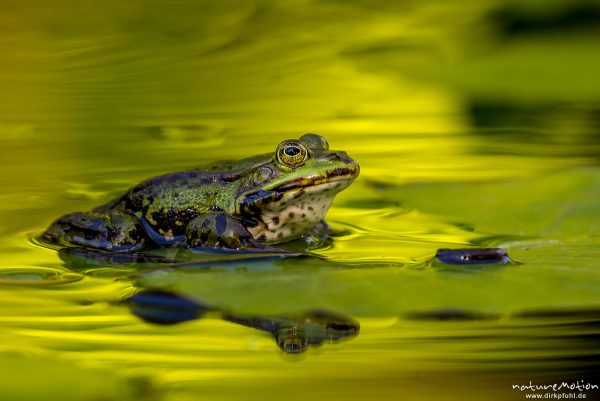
x: 238, y: 204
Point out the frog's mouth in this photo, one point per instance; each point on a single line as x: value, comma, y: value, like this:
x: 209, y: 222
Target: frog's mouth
x: 335, y: 178
x: 277, y: 198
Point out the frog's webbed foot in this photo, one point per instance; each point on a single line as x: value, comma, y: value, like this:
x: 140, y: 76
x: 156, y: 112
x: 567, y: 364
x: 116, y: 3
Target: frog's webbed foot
x: 321, y: 230
x: 321, y: 234
x: 112, y: 232
x: 220, y: 230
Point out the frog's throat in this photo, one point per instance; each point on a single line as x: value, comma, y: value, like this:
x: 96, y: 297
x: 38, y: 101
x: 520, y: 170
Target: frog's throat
x: 283, y: 215
x: 253, y: 203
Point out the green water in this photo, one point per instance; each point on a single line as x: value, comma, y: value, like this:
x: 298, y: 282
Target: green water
x: 476, y: 124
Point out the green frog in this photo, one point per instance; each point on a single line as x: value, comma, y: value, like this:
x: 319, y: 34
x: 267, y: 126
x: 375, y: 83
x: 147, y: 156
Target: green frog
x: 246, y: 204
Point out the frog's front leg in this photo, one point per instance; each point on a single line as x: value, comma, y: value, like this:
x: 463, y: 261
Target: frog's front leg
x: 114, y: 231
x: 321, y: 230
x: 321, y: 233
x: 219, y: 230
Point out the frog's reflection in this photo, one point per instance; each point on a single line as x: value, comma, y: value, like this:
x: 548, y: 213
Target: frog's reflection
x: 293, y: 334
x: 86, y: 260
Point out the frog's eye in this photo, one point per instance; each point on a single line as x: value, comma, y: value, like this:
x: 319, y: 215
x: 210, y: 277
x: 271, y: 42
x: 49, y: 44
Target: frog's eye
x: 292, y: 153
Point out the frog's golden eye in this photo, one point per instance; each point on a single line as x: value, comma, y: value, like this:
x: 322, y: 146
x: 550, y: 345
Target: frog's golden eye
x: 292, y: 153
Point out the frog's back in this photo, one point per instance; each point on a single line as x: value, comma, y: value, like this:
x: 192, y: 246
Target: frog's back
x: 204, y: 188
x: 166, y: 204
x: 177, y: 190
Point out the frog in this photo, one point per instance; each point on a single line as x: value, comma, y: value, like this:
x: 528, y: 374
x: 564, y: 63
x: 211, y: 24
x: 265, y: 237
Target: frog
x: 252, y: 203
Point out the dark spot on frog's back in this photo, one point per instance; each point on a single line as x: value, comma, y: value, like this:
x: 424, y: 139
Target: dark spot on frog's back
x: 220, y: 224
x: 173, y: 220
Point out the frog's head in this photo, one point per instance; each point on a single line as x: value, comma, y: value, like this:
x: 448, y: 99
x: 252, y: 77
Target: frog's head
x: 293, y: 191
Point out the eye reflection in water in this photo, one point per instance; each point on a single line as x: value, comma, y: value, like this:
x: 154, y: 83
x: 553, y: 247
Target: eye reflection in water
x: 293, y: 334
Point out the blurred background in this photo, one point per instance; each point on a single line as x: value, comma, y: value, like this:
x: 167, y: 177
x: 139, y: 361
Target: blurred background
x: 475, y: 124
x: 416, y: 91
